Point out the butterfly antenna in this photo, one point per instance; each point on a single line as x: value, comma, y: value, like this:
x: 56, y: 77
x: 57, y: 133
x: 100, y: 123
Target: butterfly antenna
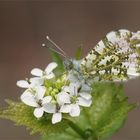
x: 44, y: 45
x: 48, y: 38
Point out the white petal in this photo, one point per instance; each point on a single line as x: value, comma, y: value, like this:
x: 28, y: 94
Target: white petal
x: 49, y: 108
x: 57, y: 117
x: 46, y: 99
x: 23, y: 84
x: 75, y: 110
x: 50, y: 76
x: 37, y: 72
x: 28, y: 98
x: 85, y: 95
x: 50, y: 67
x: 38, y: 112
x: 65, y: 108
x: 66, y: 89
x: 40, y: 92
x: 36, y: 81
x: 63, y: 97
x: 84, y: 102
x: 74, y: 88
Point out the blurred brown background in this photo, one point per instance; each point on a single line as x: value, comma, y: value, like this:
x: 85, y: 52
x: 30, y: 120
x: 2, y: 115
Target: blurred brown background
x: 23, y: 26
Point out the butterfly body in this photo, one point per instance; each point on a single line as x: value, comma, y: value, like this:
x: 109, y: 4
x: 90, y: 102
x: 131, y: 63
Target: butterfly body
x: 72, y: 64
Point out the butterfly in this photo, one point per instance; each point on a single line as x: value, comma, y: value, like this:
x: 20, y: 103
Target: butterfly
x: 115, y: 58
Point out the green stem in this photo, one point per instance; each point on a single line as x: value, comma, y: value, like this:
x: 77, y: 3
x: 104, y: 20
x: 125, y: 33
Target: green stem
x: 77, y: 129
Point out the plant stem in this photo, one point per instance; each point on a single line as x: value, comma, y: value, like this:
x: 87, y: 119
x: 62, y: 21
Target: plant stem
x: 77, y: 129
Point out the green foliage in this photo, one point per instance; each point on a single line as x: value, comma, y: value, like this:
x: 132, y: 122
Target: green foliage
x: 109, y: 110
x: 106, y: 116
x: 22, y: 114
x: 63, y: 136
x: 56, y: 58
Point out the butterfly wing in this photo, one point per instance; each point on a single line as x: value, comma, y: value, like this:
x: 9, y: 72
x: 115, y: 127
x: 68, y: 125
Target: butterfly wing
x: 115, y: 58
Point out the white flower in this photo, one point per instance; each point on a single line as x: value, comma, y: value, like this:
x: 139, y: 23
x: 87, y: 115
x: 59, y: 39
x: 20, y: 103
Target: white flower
x: 53, y: 108
x: 66, y: 105
x: 41, y: 75
x: 57, y: 117
x: 68, y: 100
x: 71, y: 98
x: 35, y: 98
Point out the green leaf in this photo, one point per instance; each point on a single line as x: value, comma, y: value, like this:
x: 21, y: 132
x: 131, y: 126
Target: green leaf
x: 56, y: 58
x: 63, y: 136
x: 22, y: 114
x: 109, y: 110
x: 78, y: 52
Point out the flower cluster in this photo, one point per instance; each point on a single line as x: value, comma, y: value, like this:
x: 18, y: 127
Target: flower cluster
x: 49, y: 94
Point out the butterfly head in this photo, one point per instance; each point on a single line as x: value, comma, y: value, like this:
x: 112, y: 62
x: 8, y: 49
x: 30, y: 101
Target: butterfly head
x: 68, y: 64
x: 72, y: 64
